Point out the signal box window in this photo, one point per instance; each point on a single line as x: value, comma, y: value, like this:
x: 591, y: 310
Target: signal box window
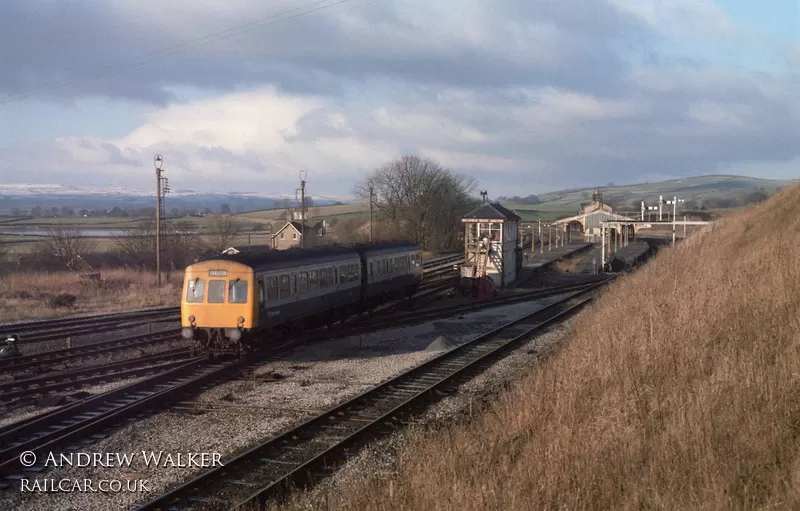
x: 216, y: 291
x: 195, y: 291
x: 237, y: 291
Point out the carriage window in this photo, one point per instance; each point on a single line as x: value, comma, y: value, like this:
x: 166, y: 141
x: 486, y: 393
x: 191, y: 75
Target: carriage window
x: 323, y: 278
x: 237, y: 291
x: 272, y: 288
x: 294, y: 284
x: 342, y: 274
x: 216, y: 291
x: 371, y: 268
x: 312, y: 281
x: 354, y: 272
x: 303, y: 282
x: 284, y: 288
x: 195, y: 291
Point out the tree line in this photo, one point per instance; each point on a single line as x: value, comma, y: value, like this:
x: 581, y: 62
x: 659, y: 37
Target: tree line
x: 65, y: 248
x: 414, y: 199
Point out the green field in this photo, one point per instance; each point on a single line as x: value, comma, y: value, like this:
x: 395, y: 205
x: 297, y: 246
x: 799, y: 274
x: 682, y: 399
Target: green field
x: 694, y: 188
x: 552, y: 206
x: 544, y: 212
x: 318, y: 212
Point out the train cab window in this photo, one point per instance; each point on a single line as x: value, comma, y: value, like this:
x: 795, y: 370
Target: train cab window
x: 285, y: 287
x: 272, y: 288
x: 303, y: 282
x: 216, y: 291
x: 312, y: 280
x: 323, y: 278
x: 195, y: 291
x: 237, y: 291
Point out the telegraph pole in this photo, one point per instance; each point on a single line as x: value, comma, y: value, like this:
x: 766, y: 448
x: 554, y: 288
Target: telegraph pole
x: 303, y: 175
x: 541, y: 241
x: 158, y: 161
x: 675, y: 202
x: 371, y: 191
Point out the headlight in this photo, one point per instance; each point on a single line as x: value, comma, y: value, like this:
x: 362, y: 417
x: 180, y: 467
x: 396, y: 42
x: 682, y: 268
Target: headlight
x: 240, y: 319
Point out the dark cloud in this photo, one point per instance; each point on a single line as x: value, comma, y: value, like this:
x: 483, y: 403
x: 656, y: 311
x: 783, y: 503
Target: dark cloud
x: 90, y: 48
x: 524, y: 95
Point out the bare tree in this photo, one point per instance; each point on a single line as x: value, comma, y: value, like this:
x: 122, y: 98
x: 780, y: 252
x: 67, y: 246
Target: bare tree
x: 181, y: 243
x: 223, y: 233
x: 139, y: 243
x: 421, y: 199
x: 66, y: 246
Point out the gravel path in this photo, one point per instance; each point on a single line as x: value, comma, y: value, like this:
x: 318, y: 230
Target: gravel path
x: 234, y: 416
x: 381, y: 457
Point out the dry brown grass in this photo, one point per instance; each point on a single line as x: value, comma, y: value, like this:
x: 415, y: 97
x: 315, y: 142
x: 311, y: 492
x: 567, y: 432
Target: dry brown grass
x: 680, y: 389
x: 31, y: 295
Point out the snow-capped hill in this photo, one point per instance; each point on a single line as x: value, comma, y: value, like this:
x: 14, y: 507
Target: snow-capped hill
x: 61, y: 191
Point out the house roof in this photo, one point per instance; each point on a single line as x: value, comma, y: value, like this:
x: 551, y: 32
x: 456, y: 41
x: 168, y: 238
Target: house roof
x: 297, y: 226
x: 244, y: 249
x: 492, y: 211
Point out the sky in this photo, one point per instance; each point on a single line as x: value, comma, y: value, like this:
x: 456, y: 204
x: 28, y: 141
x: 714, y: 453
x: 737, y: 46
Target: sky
x: 526, y: 96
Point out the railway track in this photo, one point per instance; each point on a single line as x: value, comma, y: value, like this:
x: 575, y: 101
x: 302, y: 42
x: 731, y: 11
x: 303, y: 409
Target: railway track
x: 309, y: 451
x: 88, y: 420
x: 30, y: 390
x: 84, y: 352
x: 57, y: 329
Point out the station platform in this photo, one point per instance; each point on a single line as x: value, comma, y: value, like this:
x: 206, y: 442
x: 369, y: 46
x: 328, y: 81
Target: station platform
x: 539, y: 262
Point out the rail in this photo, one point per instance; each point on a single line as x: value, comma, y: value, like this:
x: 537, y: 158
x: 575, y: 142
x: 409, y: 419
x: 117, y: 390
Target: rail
x: 308, y: 451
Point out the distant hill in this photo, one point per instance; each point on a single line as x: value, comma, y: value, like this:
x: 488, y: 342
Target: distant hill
x: 26, y: 196
x: 702, y: 192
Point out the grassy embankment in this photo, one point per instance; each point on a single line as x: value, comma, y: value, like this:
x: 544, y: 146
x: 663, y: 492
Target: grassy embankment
x: 35, y: 295
x: 679, y: 389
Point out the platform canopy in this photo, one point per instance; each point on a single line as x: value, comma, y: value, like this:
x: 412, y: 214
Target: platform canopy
x: 490, y: 212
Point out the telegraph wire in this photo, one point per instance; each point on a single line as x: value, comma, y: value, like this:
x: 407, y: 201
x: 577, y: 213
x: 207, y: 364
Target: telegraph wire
x: 199, y: 42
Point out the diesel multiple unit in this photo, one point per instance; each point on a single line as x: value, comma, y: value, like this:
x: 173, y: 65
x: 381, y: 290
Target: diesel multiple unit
x: 231, y: 302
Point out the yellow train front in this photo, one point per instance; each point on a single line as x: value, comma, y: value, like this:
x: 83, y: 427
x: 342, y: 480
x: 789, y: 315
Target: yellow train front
x: 218, y: 307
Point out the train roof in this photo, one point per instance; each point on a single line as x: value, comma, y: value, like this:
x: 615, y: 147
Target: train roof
x: 285, y: 258
x: 282, y: 256
x: 386, y: 246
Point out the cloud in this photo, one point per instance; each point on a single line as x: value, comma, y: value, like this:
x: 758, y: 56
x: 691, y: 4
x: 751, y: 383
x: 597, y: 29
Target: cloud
x: 524, y: 95
x: 451, y: 42
x: 677, y: 124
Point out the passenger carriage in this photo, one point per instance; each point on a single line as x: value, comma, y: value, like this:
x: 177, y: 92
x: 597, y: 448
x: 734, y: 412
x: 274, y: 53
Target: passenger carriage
x: 231, y: 300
